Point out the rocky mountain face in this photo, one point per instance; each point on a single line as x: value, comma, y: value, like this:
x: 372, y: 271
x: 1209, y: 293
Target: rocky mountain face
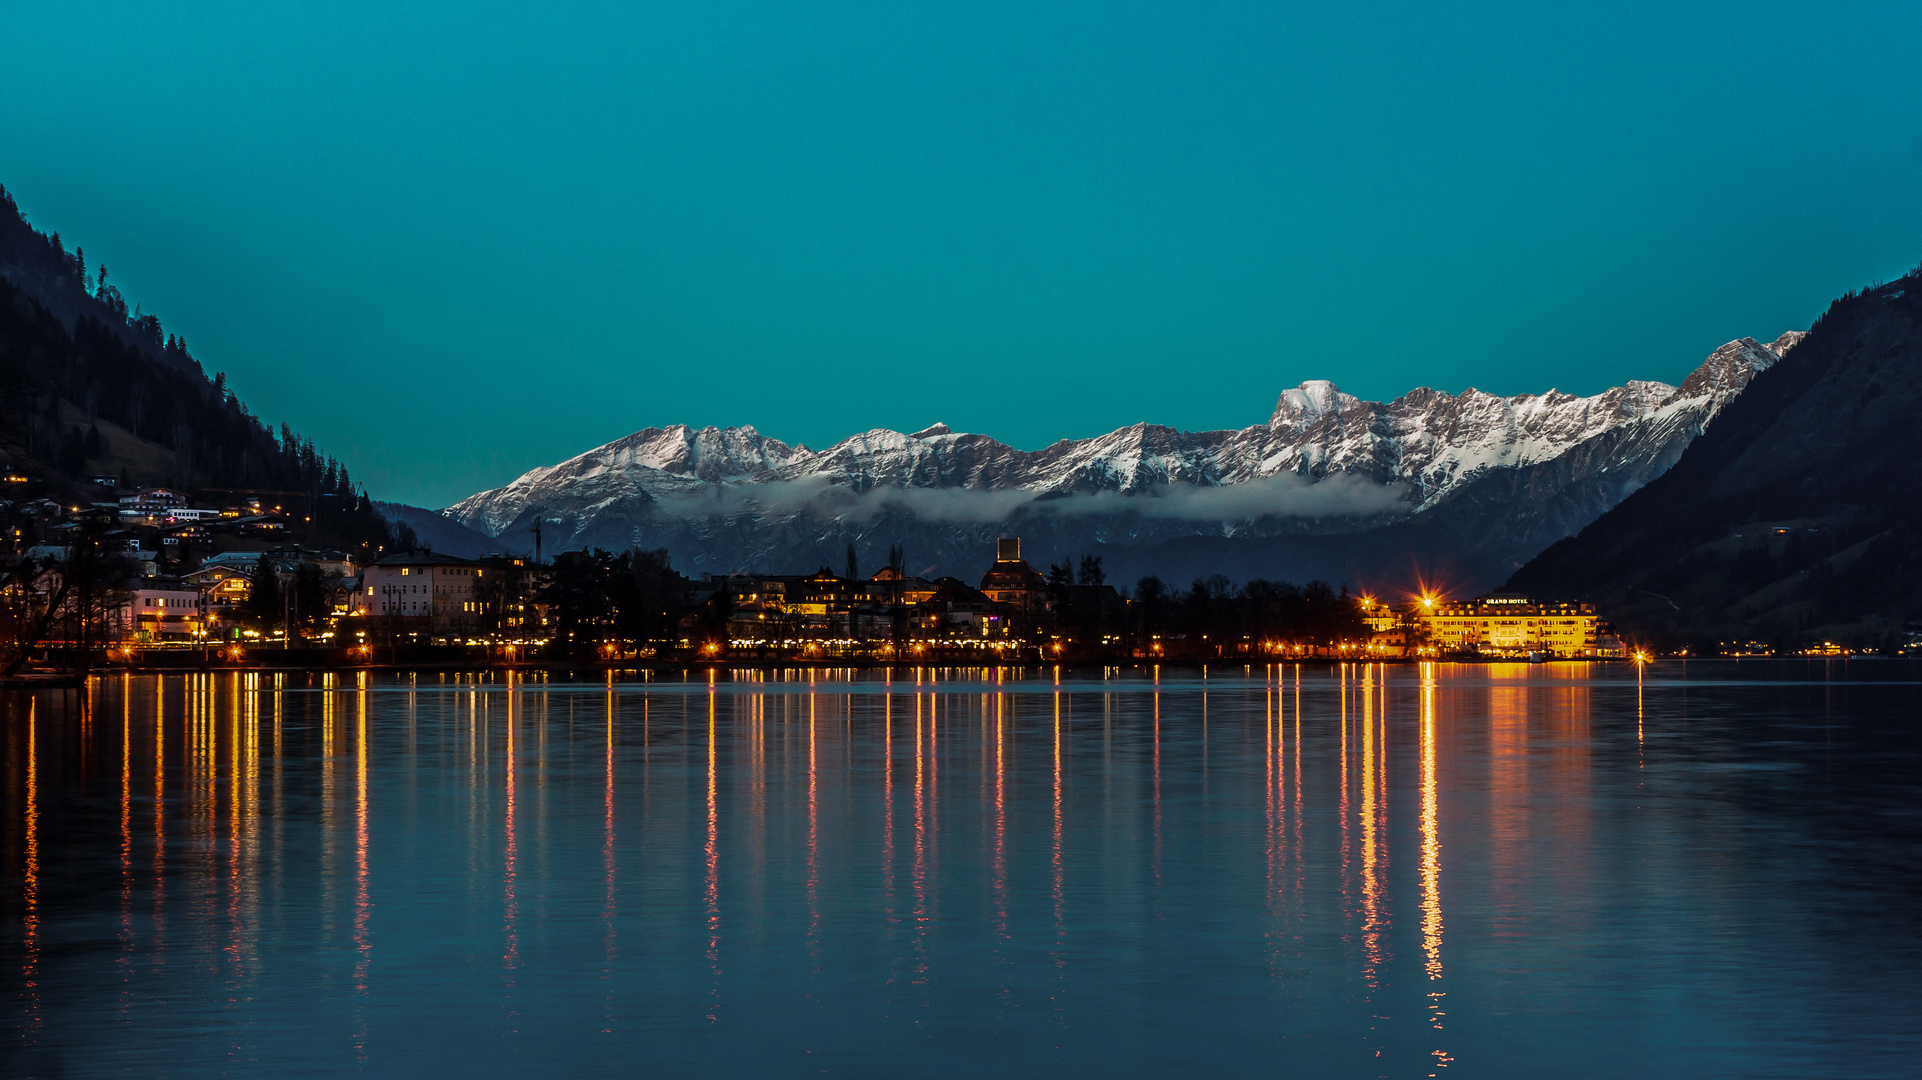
x: 1795, y: 518
x: 1466, y: 486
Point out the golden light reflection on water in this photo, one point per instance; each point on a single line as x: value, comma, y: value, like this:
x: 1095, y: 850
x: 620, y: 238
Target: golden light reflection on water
x: 510, y: 845
x: 999, y: 862
x: 1508, y: 795
x: 1166, y: 748
x: 1271, y: 760
x: 1056, y: 891
x: 126, y: 839
x: 363, y: 901
x: 1638, y: 704
x: 1300, y: 864
x: 1431, y: 908
x: 711, y: 852
x: 1344, y: 766
x: 887, y: 818
x: 30, y: 878
x: 814, y: 835
x: 1373, y: 854
x: 917, y: 874
x: 610, y: 908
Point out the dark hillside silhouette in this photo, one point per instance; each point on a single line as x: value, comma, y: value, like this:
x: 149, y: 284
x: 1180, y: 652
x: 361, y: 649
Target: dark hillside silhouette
x: 88, y: 387
x: 1796, y: 516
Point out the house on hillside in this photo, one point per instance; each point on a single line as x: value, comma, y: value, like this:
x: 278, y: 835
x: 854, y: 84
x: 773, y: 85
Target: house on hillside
x: 223, y: 590
x: 160, y: 609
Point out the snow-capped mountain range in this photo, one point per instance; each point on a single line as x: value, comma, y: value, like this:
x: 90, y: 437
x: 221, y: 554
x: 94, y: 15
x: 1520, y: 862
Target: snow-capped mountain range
x: 1329, y: 486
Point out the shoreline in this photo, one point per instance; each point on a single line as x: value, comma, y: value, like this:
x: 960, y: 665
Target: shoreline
x: 57, y: 680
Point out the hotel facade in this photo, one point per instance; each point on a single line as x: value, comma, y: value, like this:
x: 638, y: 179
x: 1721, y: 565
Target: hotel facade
x: 1509, y: 624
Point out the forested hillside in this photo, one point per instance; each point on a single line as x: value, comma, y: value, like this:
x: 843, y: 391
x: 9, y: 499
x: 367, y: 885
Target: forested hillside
x: 88, y: 387
x: 1796, y: 516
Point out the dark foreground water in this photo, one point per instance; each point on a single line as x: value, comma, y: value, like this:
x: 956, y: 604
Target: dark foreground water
x: 1554, y: 870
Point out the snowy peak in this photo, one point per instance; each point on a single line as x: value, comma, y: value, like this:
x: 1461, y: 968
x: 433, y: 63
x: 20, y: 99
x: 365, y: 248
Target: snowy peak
x: 1308, y: 402
x: 1781, y: 345
x: 1729, y: 368
x: 709, y: 453
x: 1323, y: 458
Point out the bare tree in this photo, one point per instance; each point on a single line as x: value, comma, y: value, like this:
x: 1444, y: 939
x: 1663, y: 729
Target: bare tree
x: 82, y: 591
x: 31, y: 596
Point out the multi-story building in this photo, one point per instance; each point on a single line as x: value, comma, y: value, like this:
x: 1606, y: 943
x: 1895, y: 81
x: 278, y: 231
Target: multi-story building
x: 1513, y: 624
x: 1012, y: 581
x: 223, y: 590
x: 420, y: 584
x: 161, y: 609
x: 825, y: 593
x: 514, y: 586
x: 1388, y: 629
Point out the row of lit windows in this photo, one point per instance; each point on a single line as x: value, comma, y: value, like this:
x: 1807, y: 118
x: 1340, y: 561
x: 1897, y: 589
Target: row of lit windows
x: 1511, y: 622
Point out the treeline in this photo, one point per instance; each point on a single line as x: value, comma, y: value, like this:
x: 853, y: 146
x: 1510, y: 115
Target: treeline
x: 633, y: 598
x: 1211, y: 608
x: 1214, y: 609
x: 106, y: 364
x: 597, y: 596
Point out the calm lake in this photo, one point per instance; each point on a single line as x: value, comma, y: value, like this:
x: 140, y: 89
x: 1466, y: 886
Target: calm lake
x: 1703, y: 869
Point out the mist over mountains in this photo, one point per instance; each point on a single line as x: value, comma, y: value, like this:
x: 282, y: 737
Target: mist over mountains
x: 1462, y: 488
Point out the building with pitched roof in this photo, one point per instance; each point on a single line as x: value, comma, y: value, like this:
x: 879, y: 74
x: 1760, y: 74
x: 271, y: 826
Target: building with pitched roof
x: 1012, y: 581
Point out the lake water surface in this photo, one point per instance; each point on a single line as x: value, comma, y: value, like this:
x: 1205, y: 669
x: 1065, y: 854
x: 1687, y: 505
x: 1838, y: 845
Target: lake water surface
x: 1710, y: 869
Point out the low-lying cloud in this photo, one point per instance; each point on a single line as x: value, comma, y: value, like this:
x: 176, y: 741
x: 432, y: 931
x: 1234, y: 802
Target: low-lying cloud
x: 1286, y: 495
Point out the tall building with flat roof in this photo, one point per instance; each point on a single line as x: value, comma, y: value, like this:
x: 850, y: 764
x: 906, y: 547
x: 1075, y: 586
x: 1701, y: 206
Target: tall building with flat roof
x: 1513, y: 624
x: 420, y: 584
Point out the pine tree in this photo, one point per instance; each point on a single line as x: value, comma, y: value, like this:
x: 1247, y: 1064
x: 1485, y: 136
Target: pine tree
x: 1091, y: 572
x: 263, y: 600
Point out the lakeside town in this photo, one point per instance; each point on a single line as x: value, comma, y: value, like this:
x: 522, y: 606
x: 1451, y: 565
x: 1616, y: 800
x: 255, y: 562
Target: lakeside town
x: 150, y: 578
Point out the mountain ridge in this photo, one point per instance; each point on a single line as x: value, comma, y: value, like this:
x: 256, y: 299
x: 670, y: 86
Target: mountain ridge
x: 1324, y: 463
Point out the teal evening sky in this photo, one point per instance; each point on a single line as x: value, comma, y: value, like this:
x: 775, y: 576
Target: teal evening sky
x: 457, y: 241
